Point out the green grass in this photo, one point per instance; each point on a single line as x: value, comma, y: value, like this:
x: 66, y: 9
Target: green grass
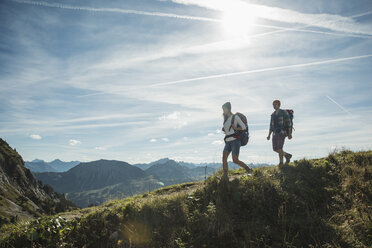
x: 310, y: 203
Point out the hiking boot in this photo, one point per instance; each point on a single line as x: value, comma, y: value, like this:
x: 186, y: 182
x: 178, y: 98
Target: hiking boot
x: 288, y: 158
x: 249, y: 171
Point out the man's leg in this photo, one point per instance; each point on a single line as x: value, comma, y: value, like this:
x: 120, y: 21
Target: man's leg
x: 276, y: 148
x: 278, y: 144
x: 285, y: 154
x: 281, y: 155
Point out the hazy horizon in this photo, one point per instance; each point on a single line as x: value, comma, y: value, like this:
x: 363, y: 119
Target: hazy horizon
x: 178, y: 161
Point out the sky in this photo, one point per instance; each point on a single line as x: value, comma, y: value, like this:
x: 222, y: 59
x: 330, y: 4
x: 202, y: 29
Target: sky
x: 140, y: 80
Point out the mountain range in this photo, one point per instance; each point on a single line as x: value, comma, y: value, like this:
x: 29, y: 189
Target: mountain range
x: 93, y: 183
x: 38, y: 165
x: 96, y: 182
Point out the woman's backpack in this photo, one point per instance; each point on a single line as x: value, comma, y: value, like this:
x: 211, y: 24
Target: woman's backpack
x: 242, y: 135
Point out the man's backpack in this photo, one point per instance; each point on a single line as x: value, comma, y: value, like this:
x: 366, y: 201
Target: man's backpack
x: 242, y: 135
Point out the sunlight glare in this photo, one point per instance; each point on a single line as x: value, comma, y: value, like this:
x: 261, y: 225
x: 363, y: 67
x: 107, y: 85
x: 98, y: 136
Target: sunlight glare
x: 238, y: 22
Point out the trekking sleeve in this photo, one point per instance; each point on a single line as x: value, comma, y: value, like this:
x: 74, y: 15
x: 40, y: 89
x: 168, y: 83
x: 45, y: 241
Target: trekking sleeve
x: 271, y: 124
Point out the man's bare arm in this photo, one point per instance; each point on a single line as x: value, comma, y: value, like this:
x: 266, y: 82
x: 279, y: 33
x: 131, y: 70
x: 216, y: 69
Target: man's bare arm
x: 268, y: 137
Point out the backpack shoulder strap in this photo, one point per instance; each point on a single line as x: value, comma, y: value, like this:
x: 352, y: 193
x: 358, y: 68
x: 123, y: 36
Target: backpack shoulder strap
x: 232, y: 121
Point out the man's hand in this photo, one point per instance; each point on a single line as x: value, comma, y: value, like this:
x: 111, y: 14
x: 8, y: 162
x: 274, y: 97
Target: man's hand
x: 290, y: 136
x: 268, y: 137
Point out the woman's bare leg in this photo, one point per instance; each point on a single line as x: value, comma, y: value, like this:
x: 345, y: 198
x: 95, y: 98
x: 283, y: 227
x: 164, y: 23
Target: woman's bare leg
x: 225, y: 165
x: 241, y: 163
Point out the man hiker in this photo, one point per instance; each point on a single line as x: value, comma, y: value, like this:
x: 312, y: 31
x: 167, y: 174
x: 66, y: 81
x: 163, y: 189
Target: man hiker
x: 281, y: 126
x: 231, y: 124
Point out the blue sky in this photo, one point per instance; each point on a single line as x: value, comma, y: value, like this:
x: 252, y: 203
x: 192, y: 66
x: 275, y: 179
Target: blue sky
x: 141, y: 80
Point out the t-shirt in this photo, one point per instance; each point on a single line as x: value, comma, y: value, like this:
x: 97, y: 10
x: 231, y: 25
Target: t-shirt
x: 227, y: 125
x: 281, y: 122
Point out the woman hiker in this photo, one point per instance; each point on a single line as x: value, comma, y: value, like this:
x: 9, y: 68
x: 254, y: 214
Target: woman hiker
x: 232, y: 144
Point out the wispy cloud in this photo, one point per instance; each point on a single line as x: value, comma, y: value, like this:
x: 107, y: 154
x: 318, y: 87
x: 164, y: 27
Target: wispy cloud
x: 285, y: 67
x: 173, y: 116
x: 99, y: 118
x: 217, y: 142
x: 116, y: 10
x: 72, y: 127
x: 35, y: 136
x: 74, y: 142
x: 198, y: 18
x: 174, y: 119
x: 328, y: 21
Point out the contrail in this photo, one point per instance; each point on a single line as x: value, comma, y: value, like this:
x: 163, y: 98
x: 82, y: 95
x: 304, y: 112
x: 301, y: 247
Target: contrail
x: 136, y: 12
x: 362, y: 14
x: 88, y: 95
x: 186, y: 17
x: 277, y: 14
x: 339, y: 105
x: 277, y: 68
x: 117, y: 10
x: 303, y: 29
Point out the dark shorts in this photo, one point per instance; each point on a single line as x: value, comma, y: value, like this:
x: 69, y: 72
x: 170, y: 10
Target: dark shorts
x: 278, y: 141
x: 233, y: 146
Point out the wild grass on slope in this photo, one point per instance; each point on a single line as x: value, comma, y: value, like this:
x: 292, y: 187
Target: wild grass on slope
x: 311, y: 203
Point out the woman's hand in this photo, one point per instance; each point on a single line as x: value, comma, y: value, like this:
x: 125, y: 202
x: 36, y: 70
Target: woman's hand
x: 236, y: 128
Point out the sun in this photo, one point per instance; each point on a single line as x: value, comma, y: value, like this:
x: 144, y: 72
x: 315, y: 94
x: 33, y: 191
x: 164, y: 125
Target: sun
x: 238, y: 22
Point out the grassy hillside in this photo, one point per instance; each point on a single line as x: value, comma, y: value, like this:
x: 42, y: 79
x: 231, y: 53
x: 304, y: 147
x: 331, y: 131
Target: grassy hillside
x: 120, y: 190
x: 310, y: 203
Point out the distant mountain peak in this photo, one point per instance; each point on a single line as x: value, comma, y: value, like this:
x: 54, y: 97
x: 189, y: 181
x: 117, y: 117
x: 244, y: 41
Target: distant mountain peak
x: 57, y: 160
x: 56, y: 165
x: 161, y: 161
x: 36, y: 160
